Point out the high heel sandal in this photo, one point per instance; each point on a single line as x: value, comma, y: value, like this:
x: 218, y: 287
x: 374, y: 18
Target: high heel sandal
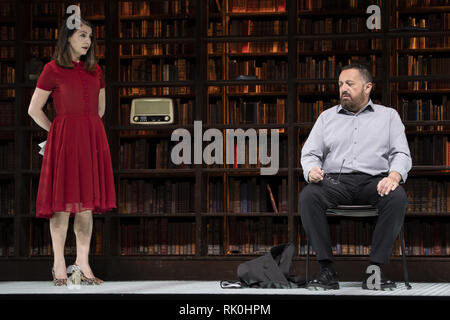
x: 58, y: 282
x: 88, y: 281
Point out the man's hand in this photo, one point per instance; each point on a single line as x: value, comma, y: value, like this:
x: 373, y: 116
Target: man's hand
x: 388, y: 184
x: 315, y: 174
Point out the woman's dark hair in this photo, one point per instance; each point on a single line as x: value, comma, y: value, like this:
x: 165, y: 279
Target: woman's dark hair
x: 62, y: 55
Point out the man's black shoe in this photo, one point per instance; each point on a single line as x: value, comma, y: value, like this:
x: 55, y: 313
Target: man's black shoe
x: 385, y: 283
x: 327, y: 279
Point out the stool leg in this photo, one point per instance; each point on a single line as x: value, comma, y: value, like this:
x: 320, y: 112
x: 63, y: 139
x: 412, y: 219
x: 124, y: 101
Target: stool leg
x: 405, y: 271
x: 307, y: 260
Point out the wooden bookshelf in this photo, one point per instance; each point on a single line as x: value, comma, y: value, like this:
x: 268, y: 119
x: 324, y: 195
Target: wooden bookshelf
x: 199, y: 221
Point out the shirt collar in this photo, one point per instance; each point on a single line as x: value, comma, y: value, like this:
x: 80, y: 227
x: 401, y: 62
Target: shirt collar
x: 368, y: 106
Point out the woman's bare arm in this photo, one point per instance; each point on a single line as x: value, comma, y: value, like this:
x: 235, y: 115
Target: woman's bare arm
x: 101, y: 102
x: 35, y: 111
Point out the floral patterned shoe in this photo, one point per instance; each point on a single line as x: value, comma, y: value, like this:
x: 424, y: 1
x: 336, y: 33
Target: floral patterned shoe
x: 88, y: 281
x: 58, y: 282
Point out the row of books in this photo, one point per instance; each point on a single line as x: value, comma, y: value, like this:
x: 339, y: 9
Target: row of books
x: 351, y: 237
x: 242, y: 112
x: 424, y: 109
x: 253, y: 195
x: 247, y: 196
x: 420, y: 3
x: 432, y: 22
x: 7, y: 73
x: 336, y: 4
x: 6, y: 239
x: 7, y: 9
x: 51, y: 33
x: 157, y: 237
x: 156, y: 29
x: 412, y: 43
x: 148, y: 70
x: 329, y: 45
x: 183, y: 112
x: 254, y: 28
x: 246, y: 6
x: 7, y: 33
x: 156, y: 49
x: 255, y: 236
x: 137, y: 92
x: 163, y: 7
x: 7, y: 199
x: 427, y: 195
x: 156, y: 197
x: 45, y: 52
x: 329, y: 68
x: 7, y: 52
x: 247, y: 236
x: 91, y: 8
x: 273, y: 89
x: 337, y: 25
x: 257, y: 47
x: 310, y: 111
x: 41, y: 241
x: 147, y: 154
x: 269, y: 69
x: 7, y: 155
x: 424, y: 85
x: 6, y: 113
x: 423, y: 65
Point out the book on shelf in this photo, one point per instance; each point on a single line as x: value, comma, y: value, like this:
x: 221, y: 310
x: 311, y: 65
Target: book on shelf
x: 156, y: 28
x: 254, y: 235
x: 7, y: 199
x: 7, y: 155
x: 214, y: 237
x: 429, y: 150
x: 248, y: 6
x: 148, y: 154
x: 157, y: 237
x: 253, y: 28
x: 41, y: 242
x: 7, y: 73
x: 269, y: 69
x: 426, y: 195
x: 6, y: 239
x: 350, y: 237
x: 254, y: 195
x: 152, y: 197
x: 163, y: 7
x: 7, y: 113
x: 310, y: 111
x: 148, y: 70
x: 243, y: 112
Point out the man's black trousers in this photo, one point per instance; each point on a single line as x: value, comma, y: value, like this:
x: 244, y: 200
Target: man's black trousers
x: 353, y: 188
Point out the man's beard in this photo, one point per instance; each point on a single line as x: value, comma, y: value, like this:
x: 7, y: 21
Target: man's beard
x: 352, y: 104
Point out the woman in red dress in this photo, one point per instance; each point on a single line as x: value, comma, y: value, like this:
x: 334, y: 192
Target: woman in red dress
x: 76, y: 175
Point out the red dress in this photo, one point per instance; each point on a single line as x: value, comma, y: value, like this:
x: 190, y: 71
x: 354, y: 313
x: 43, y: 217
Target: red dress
x: 76, y: 173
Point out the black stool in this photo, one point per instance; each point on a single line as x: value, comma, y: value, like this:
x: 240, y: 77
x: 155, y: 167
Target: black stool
x: 359, y: 211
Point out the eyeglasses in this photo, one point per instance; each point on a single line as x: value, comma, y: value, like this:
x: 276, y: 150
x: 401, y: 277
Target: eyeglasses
x: 331, y: 179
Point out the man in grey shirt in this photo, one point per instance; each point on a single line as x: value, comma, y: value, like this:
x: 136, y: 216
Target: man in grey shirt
x: 356, y: 153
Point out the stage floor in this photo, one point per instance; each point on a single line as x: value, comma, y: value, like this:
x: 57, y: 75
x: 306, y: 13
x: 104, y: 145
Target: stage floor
x: 211, y: 288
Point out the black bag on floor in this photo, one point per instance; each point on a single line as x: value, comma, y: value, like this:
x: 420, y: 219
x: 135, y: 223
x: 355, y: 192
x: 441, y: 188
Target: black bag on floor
x: 268, y: 271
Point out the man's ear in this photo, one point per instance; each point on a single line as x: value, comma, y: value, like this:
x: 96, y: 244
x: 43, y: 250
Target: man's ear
x: 368, y: 87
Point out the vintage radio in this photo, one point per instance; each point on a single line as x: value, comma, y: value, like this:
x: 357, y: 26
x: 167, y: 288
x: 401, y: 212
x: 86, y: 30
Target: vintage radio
x: 151, y: 111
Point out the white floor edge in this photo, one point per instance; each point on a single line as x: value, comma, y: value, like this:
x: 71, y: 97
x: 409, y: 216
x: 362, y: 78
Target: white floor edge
x: 213, y: 288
